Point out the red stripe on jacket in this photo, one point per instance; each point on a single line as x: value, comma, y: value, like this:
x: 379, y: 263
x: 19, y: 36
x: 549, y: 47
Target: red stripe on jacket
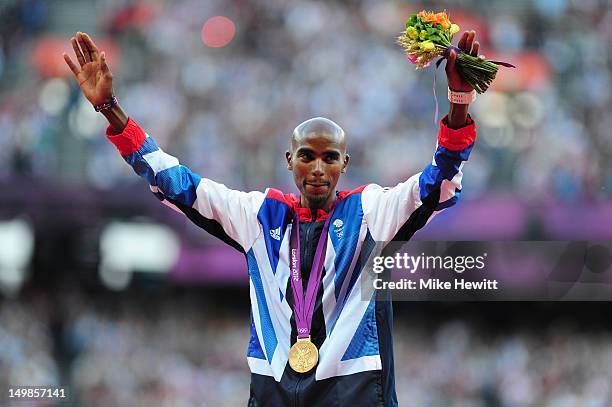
x: 456, y: 139
x: 129, y: 140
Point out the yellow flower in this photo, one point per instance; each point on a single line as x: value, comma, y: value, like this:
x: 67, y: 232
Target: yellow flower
x: 454, y: 28
x: 423, y: 35
x: 412, y: 33
x: 427, y: 46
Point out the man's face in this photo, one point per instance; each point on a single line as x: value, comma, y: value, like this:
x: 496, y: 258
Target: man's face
x: 317, y: 160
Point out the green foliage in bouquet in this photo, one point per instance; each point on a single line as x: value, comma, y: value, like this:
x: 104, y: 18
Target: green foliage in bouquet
x: 429, y: 35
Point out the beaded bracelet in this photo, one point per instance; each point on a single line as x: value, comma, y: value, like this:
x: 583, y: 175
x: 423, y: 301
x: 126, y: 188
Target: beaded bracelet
x: 107, y: 105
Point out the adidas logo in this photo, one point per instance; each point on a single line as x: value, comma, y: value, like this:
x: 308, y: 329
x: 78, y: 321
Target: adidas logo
x: 275, y: 233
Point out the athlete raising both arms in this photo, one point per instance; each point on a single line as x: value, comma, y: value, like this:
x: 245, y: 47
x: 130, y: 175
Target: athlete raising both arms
x: 314, y: 341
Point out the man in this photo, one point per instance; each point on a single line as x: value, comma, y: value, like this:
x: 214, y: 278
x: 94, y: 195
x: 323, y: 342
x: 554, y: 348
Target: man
x: 314, y: 341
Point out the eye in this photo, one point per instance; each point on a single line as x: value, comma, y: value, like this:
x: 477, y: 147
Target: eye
x: 305, y: 155
x: 332, y: 157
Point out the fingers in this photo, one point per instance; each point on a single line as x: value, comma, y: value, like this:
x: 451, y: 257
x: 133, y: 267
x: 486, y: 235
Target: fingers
x: 466, y: 41
x: 85, y: 50
x: 468, y: 44
x: 452, y: 57
x: 84, y: 47
x: 463, y: 40
x: 93, y: 50
x: 470, y: 41
x: 77, y: 51
x: 75, y: 70
x: 105, y: 68
x: 475, y: 48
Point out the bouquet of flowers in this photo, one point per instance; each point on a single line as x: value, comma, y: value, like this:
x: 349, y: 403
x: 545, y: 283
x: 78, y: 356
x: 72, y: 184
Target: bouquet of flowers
x: 429, y: 35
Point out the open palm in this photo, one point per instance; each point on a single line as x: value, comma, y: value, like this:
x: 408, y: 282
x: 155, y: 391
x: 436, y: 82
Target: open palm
x: 93, y: 75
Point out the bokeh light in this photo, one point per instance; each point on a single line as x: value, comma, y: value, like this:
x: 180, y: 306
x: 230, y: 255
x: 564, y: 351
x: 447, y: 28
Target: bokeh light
x: 54, y: 96
x: 218, y: 31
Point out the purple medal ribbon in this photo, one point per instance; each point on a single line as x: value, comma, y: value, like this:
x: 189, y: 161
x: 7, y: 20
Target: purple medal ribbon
x: 303, y: 305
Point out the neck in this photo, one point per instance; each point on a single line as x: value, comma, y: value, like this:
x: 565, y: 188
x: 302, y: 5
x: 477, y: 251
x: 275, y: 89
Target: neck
x: 305, y: 203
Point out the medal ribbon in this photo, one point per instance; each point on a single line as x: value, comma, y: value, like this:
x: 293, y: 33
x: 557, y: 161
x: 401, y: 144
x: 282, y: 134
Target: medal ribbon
x: 303, y: 304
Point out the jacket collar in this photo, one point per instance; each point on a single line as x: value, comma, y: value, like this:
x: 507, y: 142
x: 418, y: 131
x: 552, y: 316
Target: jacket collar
x: 308, y: 214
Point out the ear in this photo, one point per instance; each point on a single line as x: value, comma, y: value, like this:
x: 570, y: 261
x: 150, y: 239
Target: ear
x: 288, y: 157
x: 346, y: 161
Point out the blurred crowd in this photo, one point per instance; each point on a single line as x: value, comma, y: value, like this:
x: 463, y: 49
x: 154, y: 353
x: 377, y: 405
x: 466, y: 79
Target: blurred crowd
x: 461, y: 364
x: 175, y: 351
x: 26, y: 347
x: 544, y: 128
x: 176, y: 354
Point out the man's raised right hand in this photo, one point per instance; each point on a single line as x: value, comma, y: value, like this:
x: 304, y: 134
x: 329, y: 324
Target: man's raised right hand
x: 93, y: 76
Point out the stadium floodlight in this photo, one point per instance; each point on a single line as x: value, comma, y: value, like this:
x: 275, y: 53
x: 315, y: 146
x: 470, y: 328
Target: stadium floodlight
x: 126, y: 247
x: 16, y: 248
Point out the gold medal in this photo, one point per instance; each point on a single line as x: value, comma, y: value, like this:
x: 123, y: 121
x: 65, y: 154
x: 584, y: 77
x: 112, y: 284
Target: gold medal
x: 303, y: 355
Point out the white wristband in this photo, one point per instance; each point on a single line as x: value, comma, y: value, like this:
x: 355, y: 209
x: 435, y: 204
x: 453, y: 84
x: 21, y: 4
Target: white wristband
x: 461, y: 98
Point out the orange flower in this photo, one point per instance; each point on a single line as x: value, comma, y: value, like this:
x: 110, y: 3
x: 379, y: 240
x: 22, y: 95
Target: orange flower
x: 437, y: 18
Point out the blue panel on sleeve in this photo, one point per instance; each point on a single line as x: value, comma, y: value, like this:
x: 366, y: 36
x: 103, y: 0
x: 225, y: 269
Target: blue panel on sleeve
x: 178, y: 183
x: 447, y: 166
x: 139, y: 164
x: 148, y: 146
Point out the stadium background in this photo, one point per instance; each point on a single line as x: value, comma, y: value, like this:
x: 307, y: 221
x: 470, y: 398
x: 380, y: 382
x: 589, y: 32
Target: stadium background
x: 89, y: 300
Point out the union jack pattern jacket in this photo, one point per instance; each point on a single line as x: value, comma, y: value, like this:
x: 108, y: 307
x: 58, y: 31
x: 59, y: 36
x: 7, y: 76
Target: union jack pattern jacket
x: 352, y: 331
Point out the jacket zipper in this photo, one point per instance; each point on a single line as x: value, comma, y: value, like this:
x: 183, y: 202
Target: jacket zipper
x: 297, y: 391
x: 310, y: 248
x: 309, y: 228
